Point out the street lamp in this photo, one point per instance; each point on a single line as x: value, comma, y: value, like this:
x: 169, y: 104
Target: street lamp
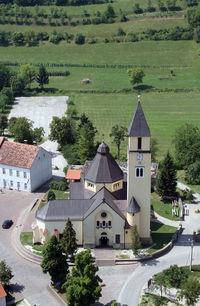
x: 192, y: 245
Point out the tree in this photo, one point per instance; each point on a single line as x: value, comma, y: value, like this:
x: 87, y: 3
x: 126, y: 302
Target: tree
x: 118, y: 133
x: 37, y: 134
x: 43, y: 76
x: 190, y: 291
x: 86, y: 145
x: 154, y: 149
x: 166, y: 183
x: 109, y: 12
x: 192, y: 175
x: 135, y: 240
x: 68, y: 241
x: 62, y: 130
x: 27, y: 72
x: 160, y: 282
x: 18, y: 38
x: 5, y: 76
x: 187, y: 143
x: 18, y: 85
x: 5, y: 273
x: 3, y: 122
x: 51, y: 195
x: 175, y: 275
x: 54, y: 262
x: 135, y: 75
x: 82, y: 286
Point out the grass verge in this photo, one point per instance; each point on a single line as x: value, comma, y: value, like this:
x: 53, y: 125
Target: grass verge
x: 163, y: 209
x: 26, y: 238
x: 60, y: 195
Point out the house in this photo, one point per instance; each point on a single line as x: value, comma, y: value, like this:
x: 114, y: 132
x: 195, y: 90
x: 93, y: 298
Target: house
x: 23, y: 166
x: 73, y: 175
x: 3, y: 295
x: 104, y: 205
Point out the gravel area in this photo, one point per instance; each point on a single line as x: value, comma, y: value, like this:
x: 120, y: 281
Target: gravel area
x: 41, y: 110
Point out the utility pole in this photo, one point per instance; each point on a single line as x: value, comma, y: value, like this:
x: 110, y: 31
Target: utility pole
x: 192, y: 245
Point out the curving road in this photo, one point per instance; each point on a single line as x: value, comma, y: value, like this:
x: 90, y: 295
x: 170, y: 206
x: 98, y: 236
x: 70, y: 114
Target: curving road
x: 180, y: 255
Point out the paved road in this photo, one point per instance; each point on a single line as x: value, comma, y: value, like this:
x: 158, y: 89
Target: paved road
x: 180, y: 255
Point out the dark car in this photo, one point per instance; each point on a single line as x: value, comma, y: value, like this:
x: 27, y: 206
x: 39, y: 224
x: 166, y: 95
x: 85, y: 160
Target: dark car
x: 7, y: 223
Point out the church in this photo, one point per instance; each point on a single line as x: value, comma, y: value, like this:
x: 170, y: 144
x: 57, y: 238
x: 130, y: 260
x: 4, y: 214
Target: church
x: 105, y: 205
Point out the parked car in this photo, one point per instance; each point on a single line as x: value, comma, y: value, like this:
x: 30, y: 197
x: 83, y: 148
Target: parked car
x: 7, y: 223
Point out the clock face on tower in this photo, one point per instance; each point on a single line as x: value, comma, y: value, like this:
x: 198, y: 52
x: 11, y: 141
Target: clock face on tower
x: 139, y: 157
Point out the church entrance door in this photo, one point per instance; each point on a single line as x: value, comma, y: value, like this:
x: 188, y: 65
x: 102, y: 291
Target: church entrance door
x: 103, y: 242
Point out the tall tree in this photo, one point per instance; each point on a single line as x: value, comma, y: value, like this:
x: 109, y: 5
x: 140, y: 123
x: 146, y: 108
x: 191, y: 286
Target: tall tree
x: 166, y: 183
x: 62, y: 130
x: 190, y: 291
x: 54, y: 262
x: 118, y: 133
x: 187, y: 143
x: 5, y: 75
x: 5, y: 273
x: 27, y: 73
x: 43, y: 76
x: 135, y: 240
x: 68, y: 241
x: 86, y: 137
x: 83, y: 285
x: 135, y: 75
x: 3, y: 123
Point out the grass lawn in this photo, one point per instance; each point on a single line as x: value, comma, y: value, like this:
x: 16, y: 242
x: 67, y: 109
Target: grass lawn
x: 143, y: 53
x: 161, y: 235
x: 163, y: 209
x: 60, y: 195
x: 26, y: 238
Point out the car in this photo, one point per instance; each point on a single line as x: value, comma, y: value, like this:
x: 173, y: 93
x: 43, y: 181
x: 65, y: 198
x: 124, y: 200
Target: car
x: 7, y: 223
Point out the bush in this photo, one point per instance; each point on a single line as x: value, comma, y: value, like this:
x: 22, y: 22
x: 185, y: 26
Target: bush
x: 120, y: 32
x: 187, y: 195
x: 192, y: 175
x: 51, y: 196
x: 79, y: 39
x: 137, y: 9
x: 58, y: 185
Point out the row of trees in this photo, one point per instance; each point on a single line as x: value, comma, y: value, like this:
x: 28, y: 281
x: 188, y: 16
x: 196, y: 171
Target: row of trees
x: 82, y: 285
x: 52, y: 2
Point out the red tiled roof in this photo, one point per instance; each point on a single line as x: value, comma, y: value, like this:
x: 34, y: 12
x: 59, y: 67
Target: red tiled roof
x: 73, y: 174
x: 17, y: 154
x: 2, y: 292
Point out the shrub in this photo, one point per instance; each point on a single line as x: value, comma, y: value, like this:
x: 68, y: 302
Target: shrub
x: 51, y: 196
x: 79, y: 39
x: 137, y: 9
x: 58, y: 185
x: 120, y: 32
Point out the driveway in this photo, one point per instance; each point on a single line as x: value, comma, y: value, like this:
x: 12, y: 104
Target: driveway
x: 41, y: 110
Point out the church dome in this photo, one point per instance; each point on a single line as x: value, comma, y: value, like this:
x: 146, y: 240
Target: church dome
x: 103, y: 168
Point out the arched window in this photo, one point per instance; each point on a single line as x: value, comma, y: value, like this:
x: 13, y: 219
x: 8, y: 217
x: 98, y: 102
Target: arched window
x: 109, y: 223
x: 97, y: 223
x: 104, y: 223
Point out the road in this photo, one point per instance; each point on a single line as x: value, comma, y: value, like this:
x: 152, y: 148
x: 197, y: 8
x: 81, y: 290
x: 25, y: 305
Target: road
x: 180, y: 255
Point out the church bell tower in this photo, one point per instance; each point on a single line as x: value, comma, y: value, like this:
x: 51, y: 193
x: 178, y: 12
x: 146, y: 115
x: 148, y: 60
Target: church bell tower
x: 139, y: 174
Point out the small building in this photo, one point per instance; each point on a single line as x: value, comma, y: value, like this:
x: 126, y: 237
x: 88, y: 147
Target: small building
x: 106, y: 204
x: 22, y: 166
x: 3, y: 295
x: 73, y: 175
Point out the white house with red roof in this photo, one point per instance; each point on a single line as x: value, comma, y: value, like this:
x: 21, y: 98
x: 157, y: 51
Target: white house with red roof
x: 23, y: 166
x: 3, y: 295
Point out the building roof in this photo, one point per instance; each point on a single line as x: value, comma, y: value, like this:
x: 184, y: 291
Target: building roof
x: 103, y: 168
x: 139, y: 126
x: 61, y: 210
x: 73, y: 174
x: 133, y: 207
x: 2, y: 291
x: 17, y: 154
x: 77, y: 209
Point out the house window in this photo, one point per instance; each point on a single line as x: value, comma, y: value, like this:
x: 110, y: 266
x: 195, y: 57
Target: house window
x: 109, y: 223
x: 103, y: 214
x: 139, y: 143
x: 18, y: 185
x: 25, y: 175
x: 25, y: 186
x: 116, y: 186
x: 97, y: 223
x: 117, y: 239
x: 90, y: 185
x: 139, y: 171
x: 11, y: 183
x: 17, y: 172
x: 10, y: 172
x: 4, y: 171
x: 104, y: 223
x: 4, y: 183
